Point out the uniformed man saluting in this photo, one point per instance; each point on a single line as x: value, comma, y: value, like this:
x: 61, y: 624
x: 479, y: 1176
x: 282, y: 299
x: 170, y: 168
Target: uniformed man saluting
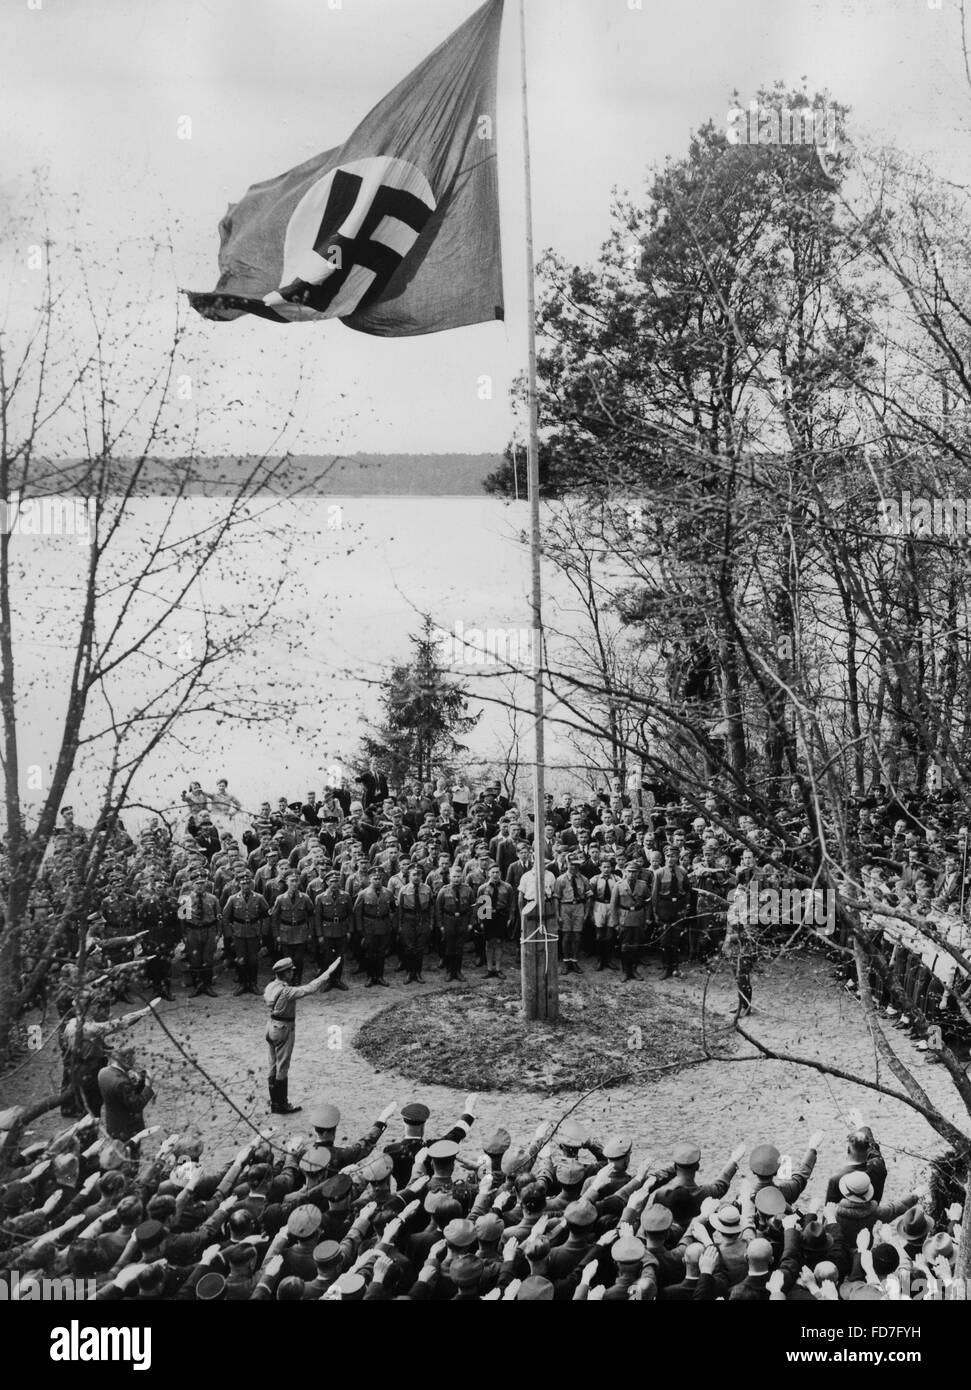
x: 280, y: 997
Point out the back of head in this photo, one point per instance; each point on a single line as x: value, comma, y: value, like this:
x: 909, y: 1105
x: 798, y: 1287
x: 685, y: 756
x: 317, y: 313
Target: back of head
x: 534, y: 1197
x: 759, y: 1256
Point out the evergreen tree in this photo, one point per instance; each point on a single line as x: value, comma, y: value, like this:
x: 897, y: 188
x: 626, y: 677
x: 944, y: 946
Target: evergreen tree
x: 423, y: 712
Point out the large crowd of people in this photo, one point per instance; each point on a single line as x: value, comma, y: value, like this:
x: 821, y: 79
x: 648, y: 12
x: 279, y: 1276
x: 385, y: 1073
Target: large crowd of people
x: 436, y: 878
x: 364, y: 880
x: 567, y: 1215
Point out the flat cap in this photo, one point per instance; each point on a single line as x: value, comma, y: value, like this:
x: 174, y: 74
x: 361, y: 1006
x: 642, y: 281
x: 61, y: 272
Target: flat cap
x: 466, y: 1270
x: 285, y: 964
x: 304, y: 1222
x: 460, y: 1233
x: 489, y: 1228
x: 687, y: 1155
x: 628, y: 1250
x: 325, y: 1116
x: 535, y: 1289
x: 443, y: 1150
x: 497, y: 1143
x: 616, y: 1147
x: 414, y: 1113
x: 570, y: 1173
x: 764, y: 1161
x: 657, y: 1219
x: 149, y: 1233
x: 582, y: 1213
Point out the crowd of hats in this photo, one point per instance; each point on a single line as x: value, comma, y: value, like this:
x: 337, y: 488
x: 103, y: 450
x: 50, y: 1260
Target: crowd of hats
x: 399, y: 1215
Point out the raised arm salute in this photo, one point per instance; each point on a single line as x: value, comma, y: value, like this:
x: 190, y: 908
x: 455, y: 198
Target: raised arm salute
x: 280, y: 997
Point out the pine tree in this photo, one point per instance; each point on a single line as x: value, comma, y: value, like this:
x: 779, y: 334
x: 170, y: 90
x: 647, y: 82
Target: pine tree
x: 423, y: 712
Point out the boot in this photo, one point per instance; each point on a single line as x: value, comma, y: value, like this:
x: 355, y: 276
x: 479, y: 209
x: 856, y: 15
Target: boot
x: 285, y: 1107
x: 274, y: 1088
x: 601, y: 956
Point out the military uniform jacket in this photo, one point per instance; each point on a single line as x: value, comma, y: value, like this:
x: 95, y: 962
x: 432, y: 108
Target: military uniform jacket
x: 292, y: 917
x: 670, y: 894
x: 629, y: 906
x: 203, y: 914
x: 415, y: 902
x: 372, y: 912
x: 332, y: 913
x: 242, y: 915
x: 453, y: 905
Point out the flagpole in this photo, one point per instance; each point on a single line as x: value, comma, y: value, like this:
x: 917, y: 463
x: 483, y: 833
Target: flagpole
x: 539, y: 972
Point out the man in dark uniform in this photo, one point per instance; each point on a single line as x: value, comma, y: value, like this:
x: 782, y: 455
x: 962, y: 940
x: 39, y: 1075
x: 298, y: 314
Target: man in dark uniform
x: 156, y: 915
x: 372, y: 917
x: 325, y: 1118
x: 496, y: 900
x: 201, y: 915
x: 670, y: 900
x: 244, y: 917
x: 415, y: 1116
x: 453, y: 911
x: 124, y: 1094
x: 291, y: 917
x: 629, y: 905
x: 414, y: 911
x: 332, y: 919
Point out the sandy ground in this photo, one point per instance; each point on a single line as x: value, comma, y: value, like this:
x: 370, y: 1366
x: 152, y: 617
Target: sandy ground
x: 716, y: 1105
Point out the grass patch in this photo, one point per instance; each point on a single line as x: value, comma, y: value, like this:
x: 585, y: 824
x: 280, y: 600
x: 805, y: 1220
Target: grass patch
x: 474, y: 1038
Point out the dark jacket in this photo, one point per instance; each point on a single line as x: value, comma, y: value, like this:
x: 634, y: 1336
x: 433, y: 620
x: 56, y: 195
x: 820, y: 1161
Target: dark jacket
x: 124, y: 1101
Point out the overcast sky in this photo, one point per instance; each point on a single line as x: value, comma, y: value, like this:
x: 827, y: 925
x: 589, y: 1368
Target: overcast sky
x: 94, y: 90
